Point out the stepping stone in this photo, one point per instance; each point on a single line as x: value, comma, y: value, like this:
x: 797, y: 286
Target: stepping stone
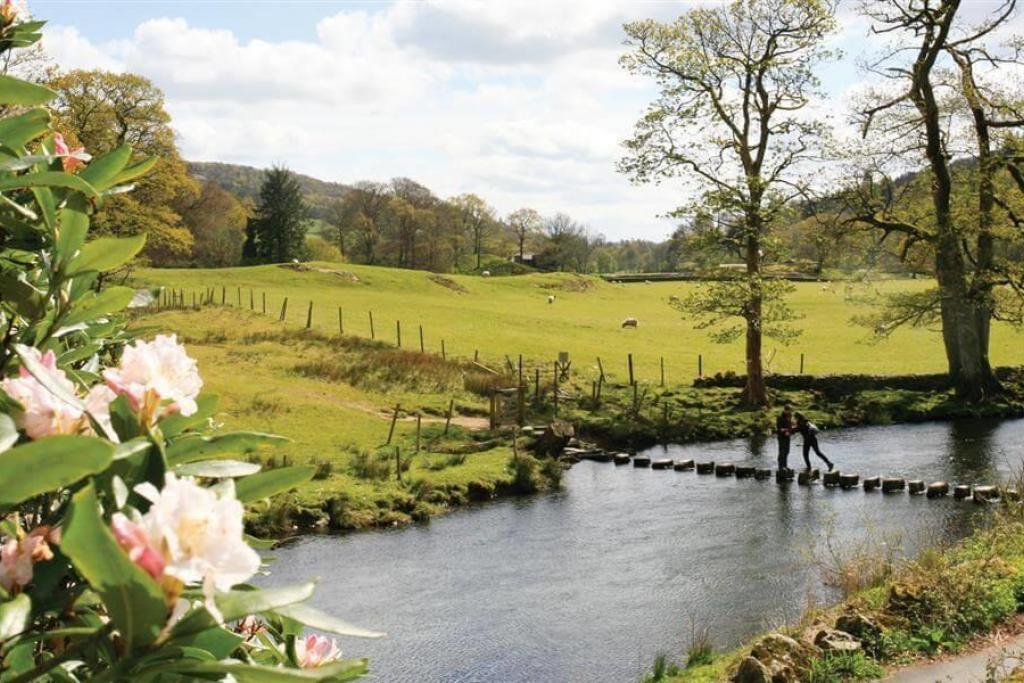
x: 725, y: 469
x: 849, y: 481
x: 745, y: 471
x: 804, y: 478
x: 915, y: 487
x: 684, y: 465
x: 621, y: 458
x: 831, y: 479
x: 872, y: 483
x: 985, y: 494
x: 937, y: 489
x: 641, y: 461
x: 664, y: 464
x: 706, y: 467
x: 599, y: 456
x: 783, y: 476
x: 1011, y: 495
x: 762, y: 473
x: 961, y: 491
x: 893, y: 484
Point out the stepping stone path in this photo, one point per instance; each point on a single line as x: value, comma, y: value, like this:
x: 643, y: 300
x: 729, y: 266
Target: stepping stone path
x: 577, y: 450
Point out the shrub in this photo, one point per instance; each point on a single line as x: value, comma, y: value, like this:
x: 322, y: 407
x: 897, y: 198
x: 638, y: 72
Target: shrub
x: 836, y: 667
x: 319, y: 249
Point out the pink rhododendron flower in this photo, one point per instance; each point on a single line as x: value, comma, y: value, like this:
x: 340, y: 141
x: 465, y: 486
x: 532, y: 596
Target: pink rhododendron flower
x: 43, y: 414
x: 71, y: 159
x: 134, y: 539
x: 316, y: 650
x: 191, y: 534
x: 10, y: 9
x: 17, y: 558
x: 158, y: 378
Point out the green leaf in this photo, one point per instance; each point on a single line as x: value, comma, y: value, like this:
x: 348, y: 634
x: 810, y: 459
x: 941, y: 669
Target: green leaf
x: 239, y: 603
x: 48, y: 179
x: 18, y: 131
x: 14, y: 616
x: 192, y: 448
x: 266, y: 484
x: 133, y: 599
x: 8, y: 432
x: 110, y: 300
x: 47, y: 464
x: 173, y: 425
x: 17, y: 91
x: 101, y: 172
x: 217, y: 469
x: 135, y: 170
x: 321, y: 621
x: 261, y: 543
x: 105, y: 253
x: 345, y: 670
x: 74, y: 226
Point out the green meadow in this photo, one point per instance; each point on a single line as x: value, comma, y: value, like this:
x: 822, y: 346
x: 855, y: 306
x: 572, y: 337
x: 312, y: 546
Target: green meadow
x: 501, y: 316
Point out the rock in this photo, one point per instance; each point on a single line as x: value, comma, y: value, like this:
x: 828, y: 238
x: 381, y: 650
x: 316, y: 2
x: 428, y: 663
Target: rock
x: 751, y: 670
x: 961, y: 491
x: 662, y: 464
x: 835, y: 640
x: 554, y: 438
x: 858, y: 625
x: 622, y: 458
x: 706, y: 467
x: 683, y: 465
x: 805, y: 477
x: 725, y: 469
x: 872, y: 483
x: 849, y: 481
x: 786, y: 660
x: 831, y: 479
x: 915, y: 487
x: 890, y: 485
x: 573, y: 442
x: 641, y: 461
x: 783, y: 476
x: 985, y: 494
x: 762, y: 473
x: 745, y: 471
x: 937, y: 489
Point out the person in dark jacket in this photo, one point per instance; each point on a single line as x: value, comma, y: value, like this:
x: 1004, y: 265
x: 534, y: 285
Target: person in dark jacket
x: 783, y: 429
x: 809, y: 432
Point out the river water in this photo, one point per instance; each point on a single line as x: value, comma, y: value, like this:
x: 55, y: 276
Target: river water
x: 591, y: 583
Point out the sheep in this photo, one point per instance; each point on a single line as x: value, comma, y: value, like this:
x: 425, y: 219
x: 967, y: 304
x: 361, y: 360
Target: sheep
x: 630, y: 322
x: 673, y: 299
x: 551, y: 298
x: 486, y: 273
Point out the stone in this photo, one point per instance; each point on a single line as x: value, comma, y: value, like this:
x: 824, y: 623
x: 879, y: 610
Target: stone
x: 762, y: 473
x: 915, y: 487
x: 831, y: 479
x: 937, y: 489
x: 706, y: 467
x: 786, y: 660
x: 554, y: 438
x: 805, y: 477
x: 858, y: 625
x: 849, y: 481
x: 783, y: 476
x: 872, y: 483
x: 725, y: 469
x: 573, y: 442
x: 662, y: 464
x: 1011, y: 495
x: 985, y: 494
x: 751, y: 670
x: 835, y: 640
x: 893, y: 484
x: 621, y: 458
x: 641, y: 461
x: 684, y: 465
x: 961, y: 491
x: 744, y: 471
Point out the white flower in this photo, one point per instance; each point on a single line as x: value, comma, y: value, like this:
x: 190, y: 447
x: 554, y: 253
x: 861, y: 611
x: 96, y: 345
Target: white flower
x: 154, y: 374
x: 42, y: 413
x: 315, y: 650
x: 200, y: 533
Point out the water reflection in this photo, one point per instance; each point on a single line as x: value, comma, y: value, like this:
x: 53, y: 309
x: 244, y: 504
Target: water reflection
x: 592, y: 582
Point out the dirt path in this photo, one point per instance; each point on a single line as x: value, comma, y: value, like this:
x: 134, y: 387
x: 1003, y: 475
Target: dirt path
x: 999, y: 659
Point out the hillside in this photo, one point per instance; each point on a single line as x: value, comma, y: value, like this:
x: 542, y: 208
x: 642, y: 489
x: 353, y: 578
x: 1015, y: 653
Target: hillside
x: 245, y: 182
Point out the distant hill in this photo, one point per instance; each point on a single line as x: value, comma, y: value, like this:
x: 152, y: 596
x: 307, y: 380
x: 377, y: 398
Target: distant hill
x: 245, y: 181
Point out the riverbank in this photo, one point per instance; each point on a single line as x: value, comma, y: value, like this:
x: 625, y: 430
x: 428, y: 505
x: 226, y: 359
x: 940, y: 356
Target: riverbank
x: 943, y: 603
x: 336, y: 396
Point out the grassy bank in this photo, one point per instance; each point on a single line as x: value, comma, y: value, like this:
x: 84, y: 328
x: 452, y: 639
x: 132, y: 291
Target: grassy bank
x: 501, y: 316
x: 897, y: 611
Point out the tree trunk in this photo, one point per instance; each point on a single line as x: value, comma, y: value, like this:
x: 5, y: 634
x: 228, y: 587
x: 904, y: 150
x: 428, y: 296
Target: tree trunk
x: 755, y: 392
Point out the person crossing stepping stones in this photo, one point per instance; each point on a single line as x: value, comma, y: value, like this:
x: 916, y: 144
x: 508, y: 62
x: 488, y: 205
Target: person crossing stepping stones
x: 809, y: 432
x: 783, y: 429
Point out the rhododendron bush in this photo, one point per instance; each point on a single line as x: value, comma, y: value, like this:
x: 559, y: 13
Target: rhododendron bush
x: 123, y: 555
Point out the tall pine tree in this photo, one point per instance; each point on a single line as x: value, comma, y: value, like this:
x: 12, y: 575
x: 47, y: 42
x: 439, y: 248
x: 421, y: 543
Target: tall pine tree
x: 277, y: 231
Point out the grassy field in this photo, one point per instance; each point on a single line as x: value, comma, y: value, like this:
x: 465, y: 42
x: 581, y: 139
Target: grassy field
x: 501, y: 316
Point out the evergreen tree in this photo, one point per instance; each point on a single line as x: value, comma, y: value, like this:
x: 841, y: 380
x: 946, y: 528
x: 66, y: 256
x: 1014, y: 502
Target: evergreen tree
x: 277, y: 231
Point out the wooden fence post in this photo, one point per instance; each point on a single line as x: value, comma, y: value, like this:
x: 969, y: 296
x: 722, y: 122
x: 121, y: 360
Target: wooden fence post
x: 536, y: 385
x: 264, y: 303
x: 554, y: 393
x: 398, y: 332
x: 630, y: 359
x: 423, y: 348
x: 373, y: 335
x: 600, y: 367
x: 801, y: 363
x: 398, y: 463
x: 444, y: 354
x: 700, y: 365
x: 394, y: 419
x: 239, y: 297
x: 448, y: 416
x: 309, y: 316
x: 252, y: 299
x: 341, y: 322
x: 663, y: 371
x: 284, y: 310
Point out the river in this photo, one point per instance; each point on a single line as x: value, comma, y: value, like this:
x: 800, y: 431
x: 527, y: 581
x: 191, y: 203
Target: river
x: 590, y: 583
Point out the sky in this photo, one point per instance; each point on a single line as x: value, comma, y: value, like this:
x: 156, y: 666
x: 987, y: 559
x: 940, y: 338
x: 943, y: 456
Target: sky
x: 522, y: 103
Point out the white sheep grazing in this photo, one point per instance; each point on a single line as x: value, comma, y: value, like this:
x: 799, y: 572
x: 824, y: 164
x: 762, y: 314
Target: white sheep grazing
x: 486, y: 273
x: 630, y: 322
x: 673, y: 299
x: 551, y: 298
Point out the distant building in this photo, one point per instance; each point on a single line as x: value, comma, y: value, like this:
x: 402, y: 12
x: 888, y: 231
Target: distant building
x: 526, y: 260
